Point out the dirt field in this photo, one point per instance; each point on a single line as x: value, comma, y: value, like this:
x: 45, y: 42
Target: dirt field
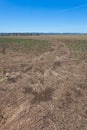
x: 43, y: 82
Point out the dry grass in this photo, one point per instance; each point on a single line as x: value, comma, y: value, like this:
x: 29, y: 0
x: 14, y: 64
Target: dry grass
x: 52, y: 37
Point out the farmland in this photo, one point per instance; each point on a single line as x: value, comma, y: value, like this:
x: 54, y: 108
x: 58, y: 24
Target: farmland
x: 43, y: 82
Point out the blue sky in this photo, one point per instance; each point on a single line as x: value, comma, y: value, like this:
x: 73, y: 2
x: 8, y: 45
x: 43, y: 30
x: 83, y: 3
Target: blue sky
x: 43, y: 16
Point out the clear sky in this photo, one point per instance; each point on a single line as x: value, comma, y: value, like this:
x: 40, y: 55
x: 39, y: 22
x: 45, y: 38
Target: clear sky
x: 43, y: 16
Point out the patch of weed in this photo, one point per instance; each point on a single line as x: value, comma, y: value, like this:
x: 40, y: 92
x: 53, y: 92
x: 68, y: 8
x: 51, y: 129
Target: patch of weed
x: 78, y: 49
x: 25, y: 45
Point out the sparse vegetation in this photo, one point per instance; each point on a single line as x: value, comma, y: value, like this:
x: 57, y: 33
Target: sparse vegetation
x: 78, y: 49
x: 25, y: 45
x: 78, y: 45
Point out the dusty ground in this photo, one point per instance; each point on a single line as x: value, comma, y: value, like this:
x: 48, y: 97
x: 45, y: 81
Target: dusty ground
x: 45, y: 92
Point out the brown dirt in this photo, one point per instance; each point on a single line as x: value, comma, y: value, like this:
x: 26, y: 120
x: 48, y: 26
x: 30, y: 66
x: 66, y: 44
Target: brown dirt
x: 46, y: 92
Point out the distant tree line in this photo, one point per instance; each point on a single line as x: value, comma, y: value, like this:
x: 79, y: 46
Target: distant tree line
x: 19, y: 34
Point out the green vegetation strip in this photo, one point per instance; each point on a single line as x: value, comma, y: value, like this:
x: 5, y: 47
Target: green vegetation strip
x: 17, y: 44
x: 81, y: 45
x: 78, y: 49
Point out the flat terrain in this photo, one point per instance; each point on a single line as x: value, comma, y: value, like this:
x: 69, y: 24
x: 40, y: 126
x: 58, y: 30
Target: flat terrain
x: 43, y: 82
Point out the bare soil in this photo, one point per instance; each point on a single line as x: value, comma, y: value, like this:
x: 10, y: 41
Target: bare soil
x: 43, y: 92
